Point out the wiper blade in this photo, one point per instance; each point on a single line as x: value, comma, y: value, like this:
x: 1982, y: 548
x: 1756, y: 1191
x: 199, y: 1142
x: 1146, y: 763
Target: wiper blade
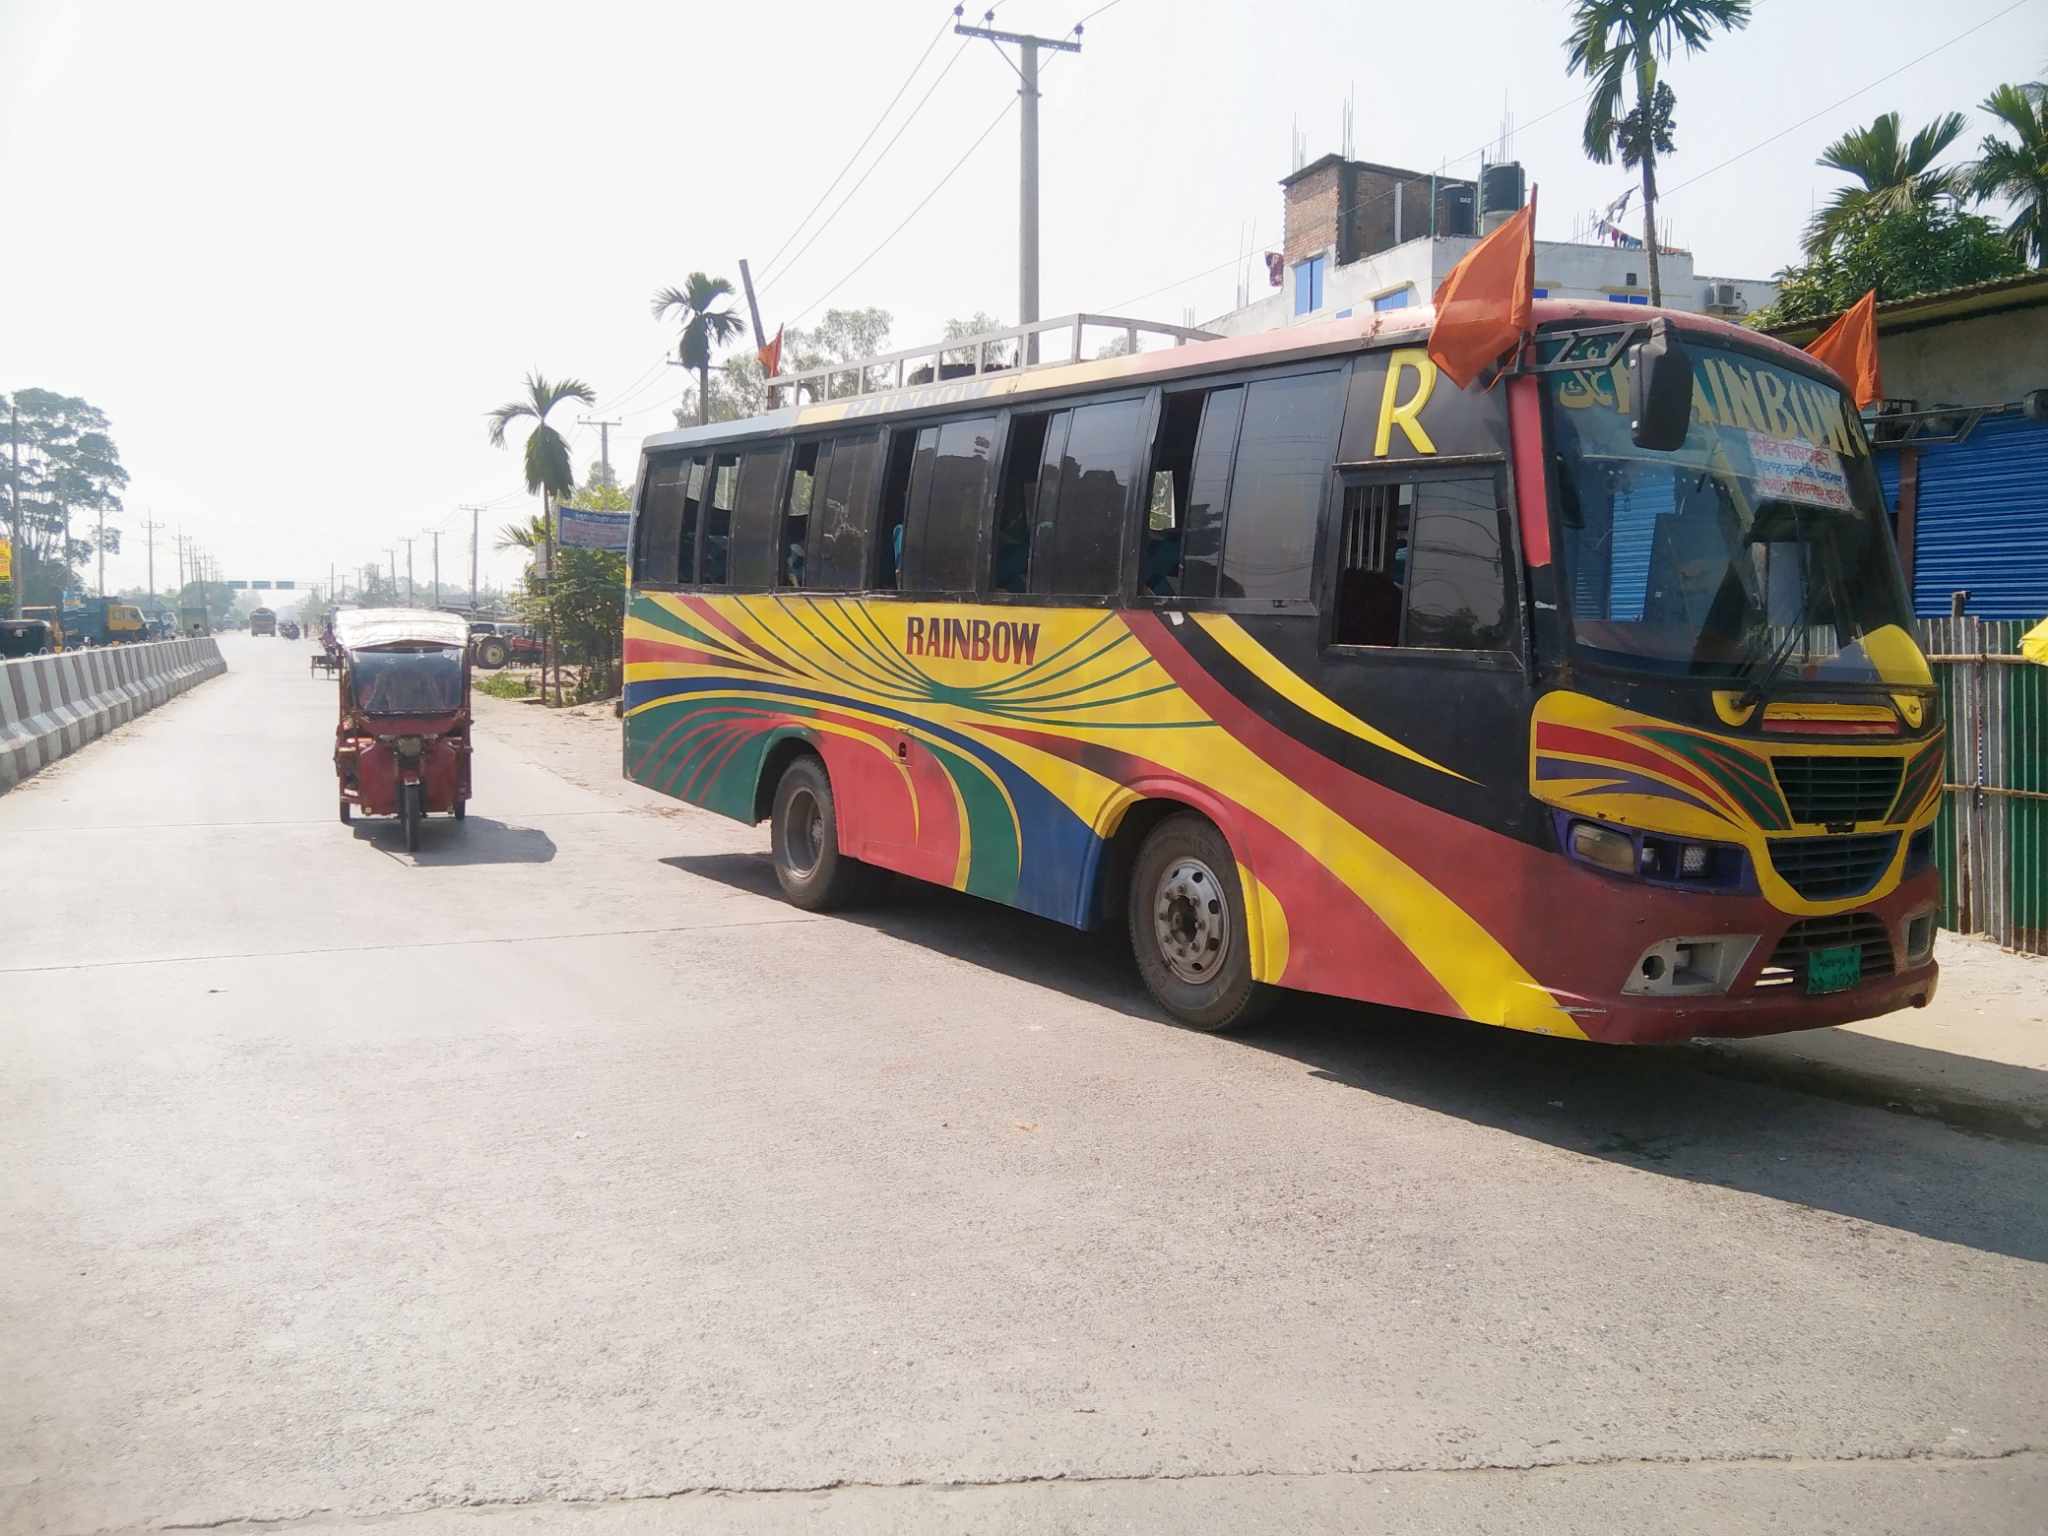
x: 1782, y: 654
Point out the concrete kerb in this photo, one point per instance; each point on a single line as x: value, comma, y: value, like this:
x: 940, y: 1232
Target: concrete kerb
x: 50, y: 706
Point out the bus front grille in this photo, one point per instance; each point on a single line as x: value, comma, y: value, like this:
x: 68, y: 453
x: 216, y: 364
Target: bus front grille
x: 1829, y: 789
x: 1833, y: 868
x: 1788, y: 961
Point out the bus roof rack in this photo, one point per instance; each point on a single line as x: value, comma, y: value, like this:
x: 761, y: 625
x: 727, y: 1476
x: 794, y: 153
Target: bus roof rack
x: 984, y: 352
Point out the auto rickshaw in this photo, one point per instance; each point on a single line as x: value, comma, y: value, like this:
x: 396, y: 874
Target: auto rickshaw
x: 25, y: 637
x: 401, y: 743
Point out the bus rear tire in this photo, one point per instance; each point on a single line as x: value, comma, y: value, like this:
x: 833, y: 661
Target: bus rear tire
x: 803, y: 835
x: 1188, y: 927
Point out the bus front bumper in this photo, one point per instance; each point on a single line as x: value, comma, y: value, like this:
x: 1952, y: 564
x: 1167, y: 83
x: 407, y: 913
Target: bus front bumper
x: 1772, y: 988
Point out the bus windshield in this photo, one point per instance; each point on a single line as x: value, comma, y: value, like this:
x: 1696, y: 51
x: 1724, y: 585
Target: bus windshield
x: 1756, y: 548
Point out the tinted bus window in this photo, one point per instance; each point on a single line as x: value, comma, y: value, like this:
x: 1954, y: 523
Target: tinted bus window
x: 724, y: 487
x: 839, y: 537
x: 1078, y: 545
x: 1284, y: 456
x: 693, y: 511
x: 1458, y: 588
x: 943, y: 528
x: 756, y: 518
x: 1209, y: 492
x: 661, y: 521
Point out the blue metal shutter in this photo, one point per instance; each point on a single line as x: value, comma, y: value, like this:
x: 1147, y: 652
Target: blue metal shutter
x: 1982, y: 521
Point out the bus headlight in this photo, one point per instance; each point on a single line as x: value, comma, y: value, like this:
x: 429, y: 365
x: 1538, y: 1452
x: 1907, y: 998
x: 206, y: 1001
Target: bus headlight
x: 1604, y: 847
x: 1657, y: 858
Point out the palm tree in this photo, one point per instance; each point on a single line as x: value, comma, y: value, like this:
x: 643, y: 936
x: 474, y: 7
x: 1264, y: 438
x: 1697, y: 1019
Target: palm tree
x: 1614, y: 42
x: 549, y: 476
x: 703, y: 328
x: 2018, y: 173
x: 1893, y: 177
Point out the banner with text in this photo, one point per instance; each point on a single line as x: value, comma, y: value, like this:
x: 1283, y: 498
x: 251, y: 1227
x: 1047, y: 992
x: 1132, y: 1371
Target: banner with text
x: 577, y: 528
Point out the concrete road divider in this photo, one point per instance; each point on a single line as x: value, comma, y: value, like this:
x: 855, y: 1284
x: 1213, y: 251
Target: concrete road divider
x: 53, y: 705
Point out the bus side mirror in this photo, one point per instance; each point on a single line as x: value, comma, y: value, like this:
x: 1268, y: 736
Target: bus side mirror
x: 1660, y: 391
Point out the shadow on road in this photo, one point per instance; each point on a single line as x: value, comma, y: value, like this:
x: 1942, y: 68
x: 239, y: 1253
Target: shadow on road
x: 1661, y: 1109
x: 473, y: 840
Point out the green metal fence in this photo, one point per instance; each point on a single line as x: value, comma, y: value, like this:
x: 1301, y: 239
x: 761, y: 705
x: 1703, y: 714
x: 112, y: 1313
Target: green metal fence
x: 1992, y: 836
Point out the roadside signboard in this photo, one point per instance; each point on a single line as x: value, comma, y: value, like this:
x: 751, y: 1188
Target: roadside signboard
x: 578, y: 528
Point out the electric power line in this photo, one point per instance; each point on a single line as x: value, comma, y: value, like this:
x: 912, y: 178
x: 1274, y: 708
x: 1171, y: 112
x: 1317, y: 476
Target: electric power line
x: 1823, y: 112
x: 979, y: 139
x: 766, y: 281
x: 850, y: 159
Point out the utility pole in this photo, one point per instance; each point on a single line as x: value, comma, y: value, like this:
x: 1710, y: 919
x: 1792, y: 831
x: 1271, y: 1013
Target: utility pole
x: 437, y: 567
x: 407, y: 542
x: 604, y: 441
x: 1027, y: 187
x: 391, y: 569
x: 150, y: 526
x: 476, y: 596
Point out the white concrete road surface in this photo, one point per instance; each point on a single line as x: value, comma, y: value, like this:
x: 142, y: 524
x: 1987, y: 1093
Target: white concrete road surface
x: 563, y: 1178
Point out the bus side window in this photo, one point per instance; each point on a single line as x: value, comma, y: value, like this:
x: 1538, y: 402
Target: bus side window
x: 659, y: 529
x: 948, y: 484
x: 1423, y: 564
x: 1284, y: 459
x: 757, y: 517
x: 1209, y: 492
x: 907, y: 448
x: 1077, y: 549
x: 811, y: 464
x: 725, y: 474
x: 693, y: 508
x: 1017, y: 503
x: 1173, y: 467
x: 846, y: 473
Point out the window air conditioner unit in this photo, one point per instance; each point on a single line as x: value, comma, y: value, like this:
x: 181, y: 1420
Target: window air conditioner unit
x: 1723, y: 296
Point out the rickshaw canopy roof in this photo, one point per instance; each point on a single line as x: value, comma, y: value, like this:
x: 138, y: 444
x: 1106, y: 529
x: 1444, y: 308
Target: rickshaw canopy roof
x: 359, y: 629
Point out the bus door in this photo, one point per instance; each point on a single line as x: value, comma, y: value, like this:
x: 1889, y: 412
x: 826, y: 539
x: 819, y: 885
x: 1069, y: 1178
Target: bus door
x: 1422, y: 634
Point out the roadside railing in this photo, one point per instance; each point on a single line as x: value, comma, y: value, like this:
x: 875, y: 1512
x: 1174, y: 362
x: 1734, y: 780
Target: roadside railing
x: 1991, y: 839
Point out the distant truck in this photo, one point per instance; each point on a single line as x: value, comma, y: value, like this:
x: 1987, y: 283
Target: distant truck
x: 103, y: 621
x: 263, y: 621
x: 192, y: 622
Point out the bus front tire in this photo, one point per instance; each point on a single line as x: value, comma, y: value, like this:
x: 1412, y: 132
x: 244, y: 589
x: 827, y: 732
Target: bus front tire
x: 803, y: 834
x: 1188, y: 927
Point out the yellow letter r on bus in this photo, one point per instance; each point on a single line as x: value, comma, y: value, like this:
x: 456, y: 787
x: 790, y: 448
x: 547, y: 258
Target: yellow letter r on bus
x: 1406, y: 414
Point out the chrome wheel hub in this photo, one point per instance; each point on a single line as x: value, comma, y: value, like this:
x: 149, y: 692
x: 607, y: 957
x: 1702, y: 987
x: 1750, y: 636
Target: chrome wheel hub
x: 1191, y: 920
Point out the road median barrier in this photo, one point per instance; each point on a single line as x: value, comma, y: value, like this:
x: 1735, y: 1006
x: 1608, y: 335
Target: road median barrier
x: 50, y: 706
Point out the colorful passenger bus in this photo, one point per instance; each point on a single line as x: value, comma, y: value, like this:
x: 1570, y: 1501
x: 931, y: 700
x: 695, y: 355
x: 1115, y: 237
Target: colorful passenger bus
x: 1318, y: 672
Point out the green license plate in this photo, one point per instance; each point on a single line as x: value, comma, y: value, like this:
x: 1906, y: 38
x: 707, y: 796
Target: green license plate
x: 1830, y: 970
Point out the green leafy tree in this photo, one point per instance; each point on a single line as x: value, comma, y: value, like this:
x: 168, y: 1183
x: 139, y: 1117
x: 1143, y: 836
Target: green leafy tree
x: 705, y: 326
x: 739, y: 389
x: 69, y: 468
x: 2016, y: 169
x: 1616, y: 43
x: 588, y: 600
x: 548, y: 473
x: 1891, y: 175
x: 1916, y: 250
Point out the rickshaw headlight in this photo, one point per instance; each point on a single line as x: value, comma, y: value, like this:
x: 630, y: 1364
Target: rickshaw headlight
x: 409, y: 746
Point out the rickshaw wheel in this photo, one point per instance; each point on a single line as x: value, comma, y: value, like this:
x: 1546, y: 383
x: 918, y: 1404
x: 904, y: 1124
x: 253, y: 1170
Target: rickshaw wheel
x: 344, y: 813
x: 409, y: 812
x: 461, y: 809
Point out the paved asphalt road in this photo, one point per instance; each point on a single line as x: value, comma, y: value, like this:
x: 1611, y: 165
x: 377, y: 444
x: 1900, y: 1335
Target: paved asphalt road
x: 563, y: 1178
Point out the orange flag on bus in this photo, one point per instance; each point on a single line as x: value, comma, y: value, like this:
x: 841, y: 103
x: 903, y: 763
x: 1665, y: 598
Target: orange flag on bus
x: 1483, y: 308
x: 1849, y: 346
x: 771, y: 355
